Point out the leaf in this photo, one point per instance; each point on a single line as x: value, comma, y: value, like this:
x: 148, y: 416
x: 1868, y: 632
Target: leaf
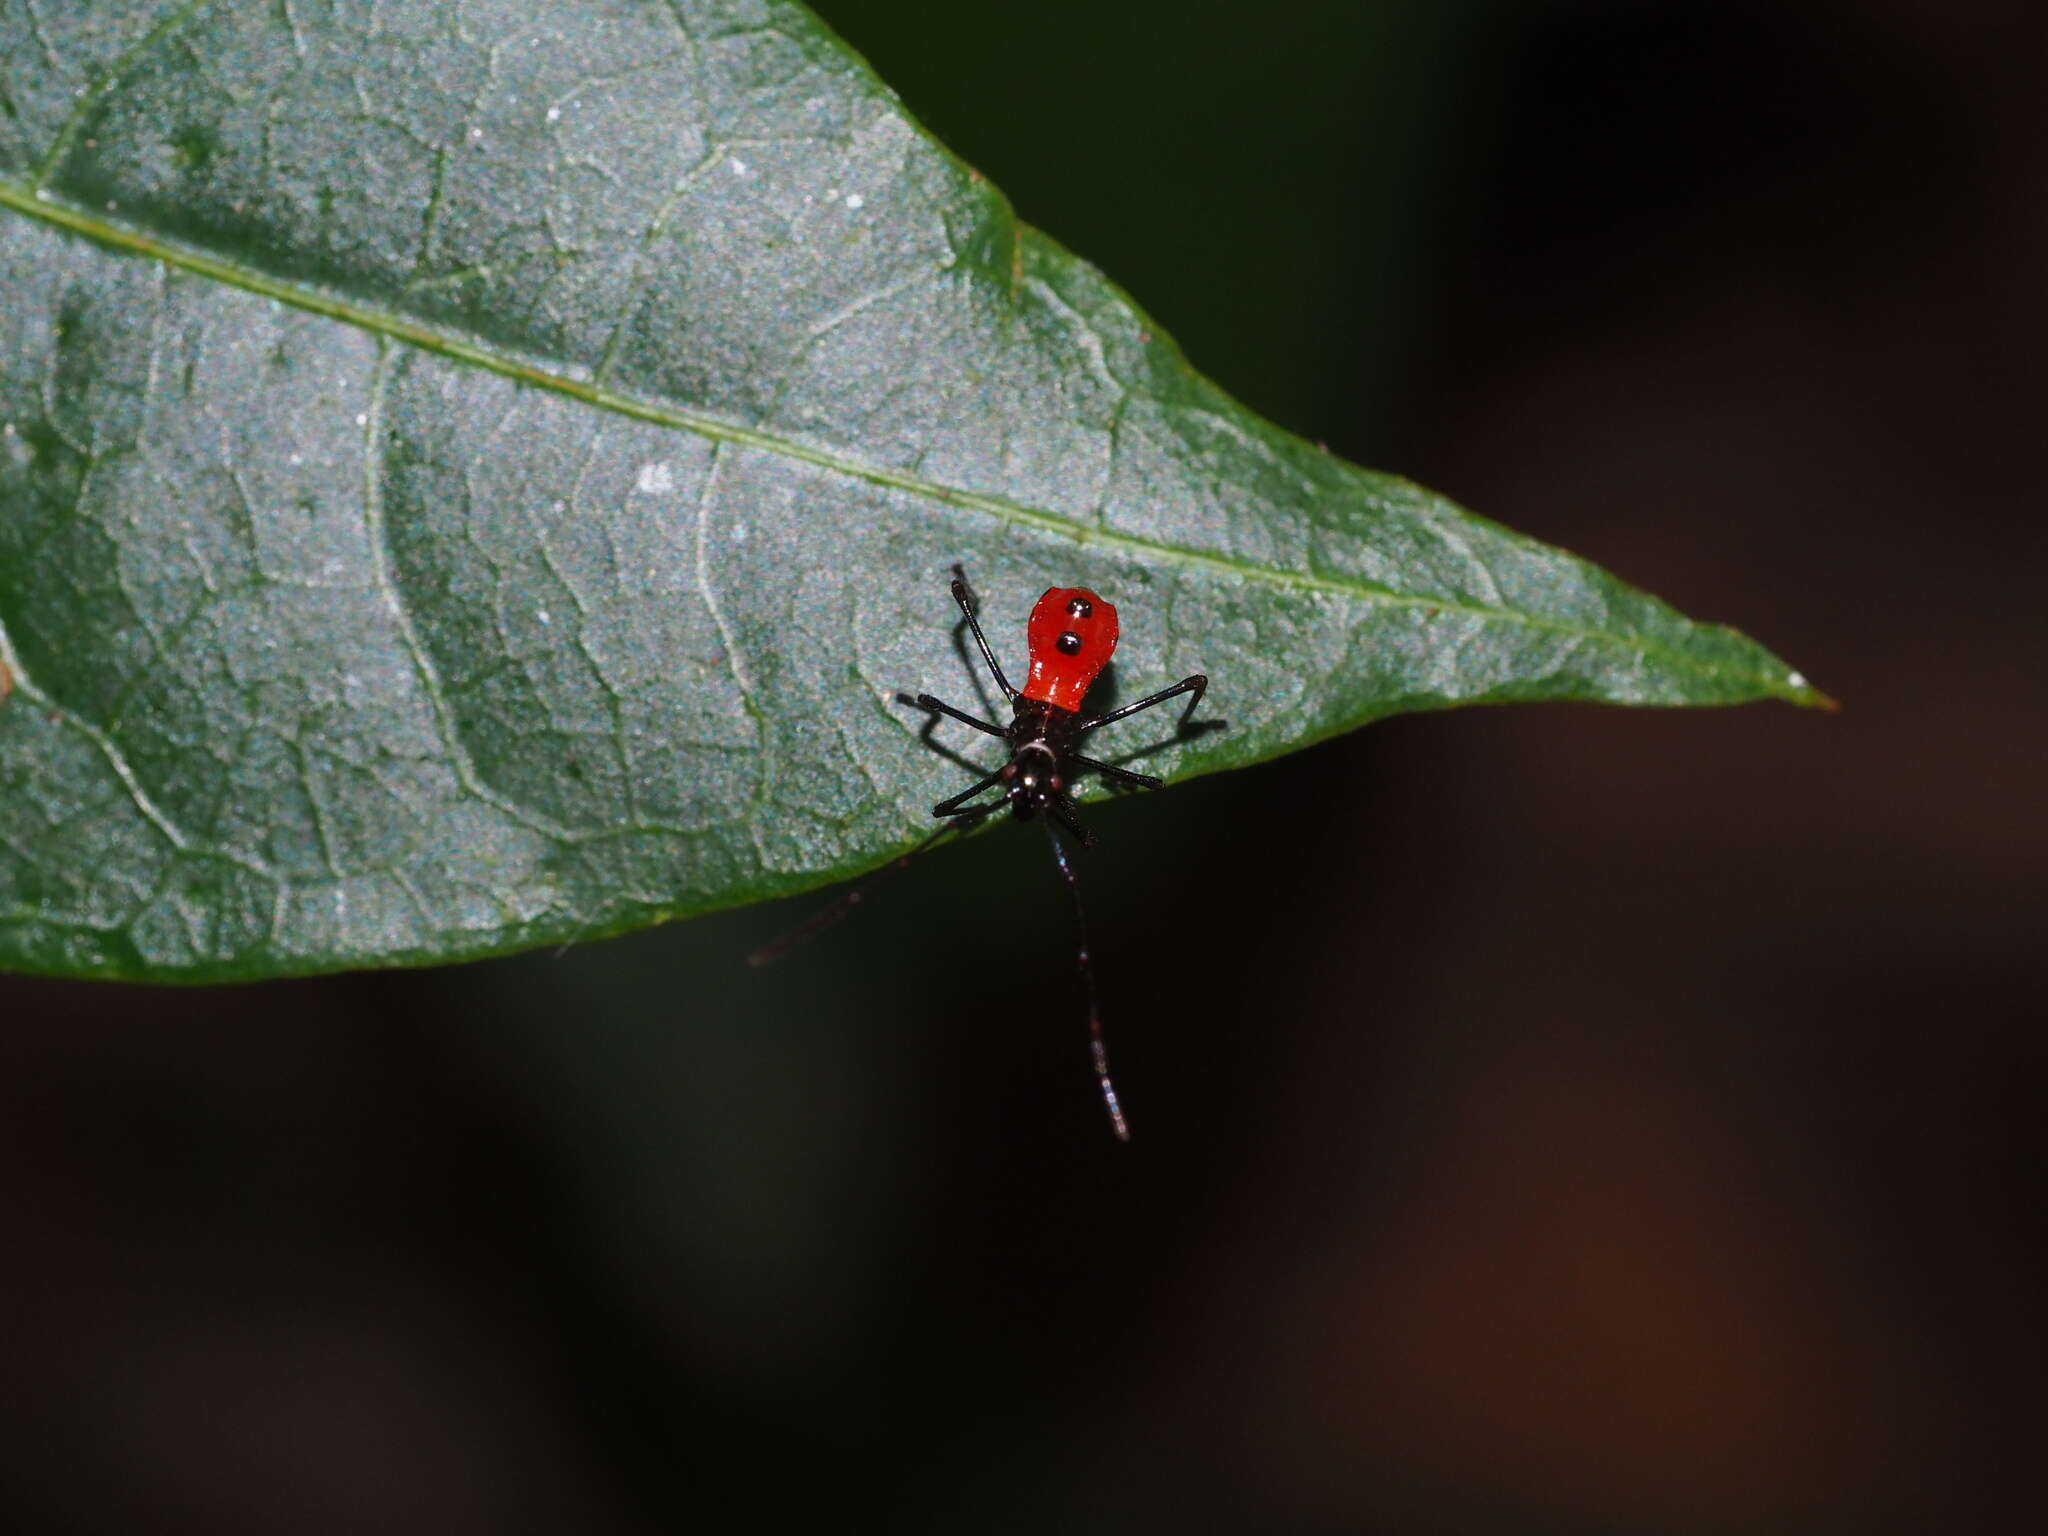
x: 472, y: 479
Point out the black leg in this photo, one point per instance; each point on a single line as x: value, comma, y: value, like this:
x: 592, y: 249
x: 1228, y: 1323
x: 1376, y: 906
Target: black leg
x: 957, y: 806
x: 1096, y: 1051
x: 1111, y: 771
x: 1196, y: 685
x: 926, y: 701
x: 966, y: 602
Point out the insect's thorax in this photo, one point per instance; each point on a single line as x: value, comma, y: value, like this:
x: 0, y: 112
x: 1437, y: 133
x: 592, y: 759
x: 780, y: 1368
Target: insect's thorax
x: 1036, y: 720
x: 1037, y: 770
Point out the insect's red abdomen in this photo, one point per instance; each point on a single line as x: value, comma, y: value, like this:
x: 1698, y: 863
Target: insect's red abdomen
x: 1072, y: 635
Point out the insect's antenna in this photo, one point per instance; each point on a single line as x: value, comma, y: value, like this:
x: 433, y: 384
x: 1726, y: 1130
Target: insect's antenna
x: 1096, y: 1049
x: 836, y: 913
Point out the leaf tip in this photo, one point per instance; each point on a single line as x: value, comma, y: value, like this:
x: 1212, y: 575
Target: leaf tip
x: 1798, y: 690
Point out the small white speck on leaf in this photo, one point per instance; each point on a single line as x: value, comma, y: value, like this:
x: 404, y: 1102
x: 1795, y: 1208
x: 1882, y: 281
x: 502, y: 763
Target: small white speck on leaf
x: 654, y: 479
x: 362, y: 418
x: 855, y: 200
x: 554, y: 114
x: 1797, y: 680
x: 545, y: 617
x: 739, y: 166
x: 296, y: 459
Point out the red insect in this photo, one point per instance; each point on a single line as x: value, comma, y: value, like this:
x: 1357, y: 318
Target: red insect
x: 1072, y: 635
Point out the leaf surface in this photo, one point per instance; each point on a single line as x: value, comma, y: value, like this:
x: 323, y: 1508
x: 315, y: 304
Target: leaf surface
x: 473, y: 477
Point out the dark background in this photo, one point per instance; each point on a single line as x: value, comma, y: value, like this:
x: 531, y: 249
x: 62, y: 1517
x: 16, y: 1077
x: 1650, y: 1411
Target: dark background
x: 1549, y: 1119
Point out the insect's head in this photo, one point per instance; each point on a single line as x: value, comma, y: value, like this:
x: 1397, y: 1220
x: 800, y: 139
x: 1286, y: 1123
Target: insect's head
x: 1031, y: 779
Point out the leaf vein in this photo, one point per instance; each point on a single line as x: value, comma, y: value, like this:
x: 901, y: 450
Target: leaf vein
x: 386, y: 580
x: 89, y: 101
x: 733, y: 660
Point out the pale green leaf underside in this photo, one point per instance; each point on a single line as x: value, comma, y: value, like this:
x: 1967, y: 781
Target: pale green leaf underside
x: 473, y: 477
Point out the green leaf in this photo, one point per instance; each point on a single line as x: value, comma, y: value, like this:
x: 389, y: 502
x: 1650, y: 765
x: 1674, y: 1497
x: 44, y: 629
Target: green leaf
x: 471, y: 479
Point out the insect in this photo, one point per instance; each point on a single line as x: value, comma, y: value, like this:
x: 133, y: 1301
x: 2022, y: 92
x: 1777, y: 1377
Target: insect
x: 1071, y: 636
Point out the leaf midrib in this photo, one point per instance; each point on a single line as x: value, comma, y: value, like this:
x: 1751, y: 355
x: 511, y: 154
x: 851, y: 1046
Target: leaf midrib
x: 40, y: 205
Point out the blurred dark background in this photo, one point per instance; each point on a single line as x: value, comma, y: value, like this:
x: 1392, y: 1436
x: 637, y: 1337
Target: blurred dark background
x: 1549, y: 1119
